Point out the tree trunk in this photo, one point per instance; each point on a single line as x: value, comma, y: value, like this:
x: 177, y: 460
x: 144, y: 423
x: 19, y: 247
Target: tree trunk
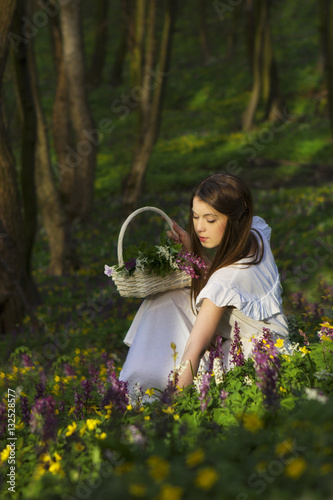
x: 150, y: 103
x: 265, y: 74
x: 250, y: 31
x: 249, y: 114
x: 203, y: 33
x: 28, y: 144
x: 327, y: 50
x: 61, y: 123
x: 83, y: 159
x: 101, y: 37
x: 118, y: 65
x: 54, y: 218
x: 12, y: 249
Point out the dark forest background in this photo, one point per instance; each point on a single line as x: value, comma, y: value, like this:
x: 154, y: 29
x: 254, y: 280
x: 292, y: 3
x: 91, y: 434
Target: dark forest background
x: 106, y: 106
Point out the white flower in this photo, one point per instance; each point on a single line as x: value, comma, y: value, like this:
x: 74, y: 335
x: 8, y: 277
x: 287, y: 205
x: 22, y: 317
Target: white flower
x: 247, y: 380
x: 108, y: 270
x: 323, y: 374
x: 163, y: 252
x: 218, y: 370
x: 316, y: 395
x: 140, y: 263
x: 197, y: 381
x: 181, y: 367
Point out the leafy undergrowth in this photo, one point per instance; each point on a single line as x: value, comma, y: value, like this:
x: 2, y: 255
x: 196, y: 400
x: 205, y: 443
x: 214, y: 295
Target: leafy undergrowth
x: 263, y: 427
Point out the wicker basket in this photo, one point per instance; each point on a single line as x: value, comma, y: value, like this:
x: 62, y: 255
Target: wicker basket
x: 143, y: 283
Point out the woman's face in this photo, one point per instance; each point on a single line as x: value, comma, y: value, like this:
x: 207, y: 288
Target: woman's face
x: 209, y: 225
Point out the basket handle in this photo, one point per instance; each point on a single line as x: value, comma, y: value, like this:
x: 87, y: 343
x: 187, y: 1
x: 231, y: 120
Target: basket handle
x: 128, y: 220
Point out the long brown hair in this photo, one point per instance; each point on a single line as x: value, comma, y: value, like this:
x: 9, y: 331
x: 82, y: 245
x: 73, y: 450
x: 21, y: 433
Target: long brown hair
x: 228, y: 195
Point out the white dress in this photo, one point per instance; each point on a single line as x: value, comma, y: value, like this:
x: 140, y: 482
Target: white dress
x: 253, y: 297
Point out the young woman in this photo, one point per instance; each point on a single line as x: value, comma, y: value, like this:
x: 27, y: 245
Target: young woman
x: 241, y: 285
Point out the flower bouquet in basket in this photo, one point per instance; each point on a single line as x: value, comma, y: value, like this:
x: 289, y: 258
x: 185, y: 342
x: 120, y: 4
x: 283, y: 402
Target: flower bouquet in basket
x: 151, y: 269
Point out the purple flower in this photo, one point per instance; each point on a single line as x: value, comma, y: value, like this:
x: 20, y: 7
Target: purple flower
x: 215, y: 352
x: 43, y: 419
x: 78, y: 403
x: 168, y: 393
x: 3, y: 419
x: 61, y: 406
x: 306, y: 340
x: 223, y: 396
x: 117, y: 393
x: 267, y: 366
x: 130, y: 264
x: 107, y: 270
x: 69, y: 370
x: 204, y: 387
x: 236, y: 349
x: 25, y: 409
x: 26, y: 360
x: 186, y: 261
x: 40, y: 390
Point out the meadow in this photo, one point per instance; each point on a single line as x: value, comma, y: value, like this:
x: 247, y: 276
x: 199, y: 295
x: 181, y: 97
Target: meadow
x: 251, y: 432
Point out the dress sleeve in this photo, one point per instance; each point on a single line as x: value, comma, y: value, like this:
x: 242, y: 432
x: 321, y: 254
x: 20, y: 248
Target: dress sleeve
x: 261, y: 225
x: 220, y: 294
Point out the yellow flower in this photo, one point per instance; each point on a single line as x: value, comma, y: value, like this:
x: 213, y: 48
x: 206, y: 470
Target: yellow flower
x: 45, y: 457
x: 195, y: 458
x: 304, y: 350
x: 169, y: 410
x: 71, y: 410
x: 5, y: 453
x: 176, y: 417
x: 19, y: 426
x: 101, y: 436
x: 123, y: 468
x: 55, y: 468
x: 39, y: 471
x: 206, y: 478
x: 326, y: 469
x: 326, y: 325
x: 252, y: 422
x: 284, y: 447
x: 147, y: 417
x: 83, y: 430
x: 282, y: 389
x: 77, y: 351
x: 79, y: 446
x: 170, y: 492
x: 92, y: 423
x: 325, y: 337
x: 57, y: 456
x: 158, y: 467
x: 150, y: 392
x: 296, y: 468
x: 77, y: 360
x: 129, y: 407
x: 71, y: 428
x: 137, y: 490
x: 57, y: 378
x: 279, y: 343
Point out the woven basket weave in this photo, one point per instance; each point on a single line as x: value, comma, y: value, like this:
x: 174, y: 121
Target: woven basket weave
x: 143, y: 283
